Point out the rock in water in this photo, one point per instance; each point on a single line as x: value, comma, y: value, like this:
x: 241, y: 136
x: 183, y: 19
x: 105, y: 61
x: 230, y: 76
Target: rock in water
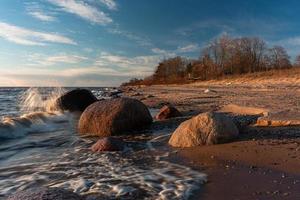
x: 204, y: 129
x: 108, y: 144
x: 167, y: 112
x: 114, y: 117
x: 45, y: 194
x: 76, y: 100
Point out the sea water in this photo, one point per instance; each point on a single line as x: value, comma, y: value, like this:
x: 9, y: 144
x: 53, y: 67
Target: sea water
x: 39, y: 146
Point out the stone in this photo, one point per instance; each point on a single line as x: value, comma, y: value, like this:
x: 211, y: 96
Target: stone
x: 244, y: 110
x: 209, y: 91
x: 167, y: 112
x: 204, y: 129
x: 108, y: 144
x: 114, y: 117
x: 76, y: 100
x: 280, y: 119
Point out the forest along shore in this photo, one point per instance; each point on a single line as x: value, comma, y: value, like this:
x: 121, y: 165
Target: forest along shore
x: 263, y: 162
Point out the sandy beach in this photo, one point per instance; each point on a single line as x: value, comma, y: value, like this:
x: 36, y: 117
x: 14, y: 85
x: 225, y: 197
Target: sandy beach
x: 264, y: 162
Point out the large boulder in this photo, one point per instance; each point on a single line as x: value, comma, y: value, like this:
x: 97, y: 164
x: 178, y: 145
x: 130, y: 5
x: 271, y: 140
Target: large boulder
x: 204, y: 129
x: 108, y: 144
x: 114, y: 117
x: 167, y: 112
x: 45, y: 194
x: 76, y: 100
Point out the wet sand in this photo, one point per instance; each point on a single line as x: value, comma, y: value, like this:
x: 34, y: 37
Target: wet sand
x: 263, y: 163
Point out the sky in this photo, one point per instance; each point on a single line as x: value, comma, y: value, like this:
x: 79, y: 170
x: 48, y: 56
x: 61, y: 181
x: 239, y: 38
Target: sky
x: 106, y: 42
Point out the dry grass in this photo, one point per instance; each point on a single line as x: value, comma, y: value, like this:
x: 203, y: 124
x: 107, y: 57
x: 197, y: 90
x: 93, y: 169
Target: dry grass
x: 283, y: 77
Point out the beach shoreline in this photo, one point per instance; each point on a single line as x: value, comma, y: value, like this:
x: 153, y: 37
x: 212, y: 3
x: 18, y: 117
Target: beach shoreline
x: 263, y: 163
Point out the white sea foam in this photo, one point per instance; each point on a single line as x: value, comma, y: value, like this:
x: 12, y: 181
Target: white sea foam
x: 109, y: 174
x: 40, y: 114
x: 37, y: 122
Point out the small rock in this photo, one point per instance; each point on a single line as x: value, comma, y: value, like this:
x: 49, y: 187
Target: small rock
x: 167, y: 112
x: 286, y: 194
x: 108, y: 144
x: 136, y: 94
x: 209, y: 91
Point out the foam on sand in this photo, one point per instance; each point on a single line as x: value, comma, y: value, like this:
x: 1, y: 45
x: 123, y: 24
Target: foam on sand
x: 113, y: 175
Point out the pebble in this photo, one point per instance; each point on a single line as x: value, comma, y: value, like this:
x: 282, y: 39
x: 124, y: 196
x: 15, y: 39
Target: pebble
x: 286, y: 194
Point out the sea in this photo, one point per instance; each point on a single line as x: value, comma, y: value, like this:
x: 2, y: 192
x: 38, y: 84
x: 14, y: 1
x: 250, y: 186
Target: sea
x: 40, y: 146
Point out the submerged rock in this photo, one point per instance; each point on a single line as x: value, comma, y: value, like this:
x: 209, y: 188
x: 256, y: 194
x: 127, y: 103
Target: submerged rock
x: 113, y: 94
x: 76, y: 100
x: 108, y: 144
x: 204, y: 129
x: 45, y: 194
x: 114, y: 117
x: 167, y: 112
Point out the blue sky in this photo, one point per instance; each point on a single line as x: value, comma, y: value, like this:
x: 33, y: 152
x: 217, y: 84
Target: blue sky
x: 105, y: 42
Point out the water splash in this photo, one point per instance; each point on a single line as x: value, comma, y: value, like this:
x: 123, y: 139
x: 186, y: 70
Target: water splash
x: 39, y: 113
x: 40, y: 99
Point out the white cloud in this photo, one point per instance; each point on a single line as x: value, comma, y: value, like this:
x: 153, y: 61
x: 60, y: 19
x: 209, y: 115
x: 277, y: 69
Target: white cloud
x: 171, y: 53
x: 293, y: 41
x: 105, y: 65
x: 145, y: 63
x: 35, y: 10
x: 71, y: 59
x: 81, y: 77
x: 42, y: 60
x: 108, y: 70
x: 110, y: 4
x: 25, y: 36
x: 188, y: 48
x: 143, y: 41
x: 83, y: 10
x: 89, y: 50
x: 159, y: 51
x: 81, y: 71
x: 41, y: 16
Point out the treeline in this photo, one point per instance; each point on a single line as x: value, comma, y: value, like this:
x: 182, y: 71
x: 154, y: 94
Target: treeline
x: 224, y: 56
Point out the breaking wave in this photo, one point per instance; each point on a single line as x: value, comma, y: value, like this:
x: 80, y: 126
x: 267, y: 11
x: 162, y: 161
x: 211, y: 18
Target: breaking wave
x: 38, y: 113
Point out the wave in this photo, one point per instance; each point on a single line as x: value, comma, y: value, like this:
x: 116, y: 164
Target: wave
x: 37, y: 122
x: 39, y: 113
x: 40, y: 99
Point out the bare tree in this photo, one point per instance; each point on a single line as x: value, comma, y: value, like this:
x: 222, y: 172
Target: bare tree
x: 279, y: 58
x: 223, y: 56
x: 297, y: 61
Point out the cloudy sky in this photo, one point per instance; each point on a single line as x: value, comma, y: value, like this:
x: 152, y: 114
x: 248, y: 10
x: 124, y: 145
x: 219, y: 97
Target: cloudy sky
x: 105, y: 42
